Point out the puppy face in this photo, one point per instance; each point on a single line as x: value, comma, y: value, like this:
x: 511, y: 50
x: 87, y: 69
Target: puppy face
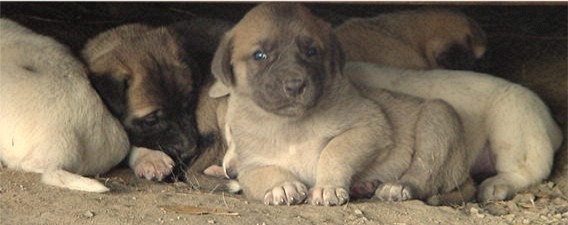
x: 149, y: 83
x: 282, y: 64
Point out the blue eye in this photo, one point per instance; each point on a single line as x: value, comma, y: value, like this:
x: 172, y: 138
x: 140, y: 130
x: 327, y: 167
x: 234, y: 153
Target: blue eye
x: 259, y: 55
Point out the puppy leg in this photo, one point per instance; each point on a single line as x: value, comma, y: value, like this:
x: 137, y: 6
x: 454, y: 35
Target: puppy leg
x: 149, y: 163
x: 523, y: 138
x: 438, y: 163
x: 273, y: 185
x: 62, y: 178
x: 345, y: 156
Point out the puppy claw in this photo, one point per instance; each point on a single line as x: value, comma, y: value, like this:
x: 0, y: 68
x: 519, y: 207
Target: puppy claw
x: 393, y: 192
x: 289, y: 193
x: 329, y: 196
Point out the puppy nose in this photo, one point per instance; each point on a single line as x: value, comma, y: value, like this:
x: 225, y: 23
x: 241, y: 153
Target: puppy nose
x: 294, y: 87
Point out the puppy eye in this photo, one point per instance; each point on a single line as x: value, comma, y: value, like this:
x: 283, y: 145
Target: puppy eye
x: 312, y: 51
x: 151, y: 119
x: 259, y: 55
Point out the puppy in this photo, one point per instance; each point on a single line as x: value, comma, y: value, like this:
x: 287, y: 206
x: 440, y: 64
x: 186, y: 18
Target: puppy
x: 509, y: 132
x: 417, y: 39
x: 151, y: 81
x: 53, y: 122
x: 295, y: 122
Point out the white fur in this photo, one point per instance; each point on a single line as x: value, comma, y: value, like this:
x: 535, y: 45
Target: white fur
x: 51, y: 120
x: 510, y: 118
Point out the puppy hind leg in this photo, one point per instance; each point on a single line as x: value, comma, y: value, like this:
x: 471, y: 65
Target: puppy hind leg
x: 62, y: 178
x: 523, y: 138
x: 438, y: 139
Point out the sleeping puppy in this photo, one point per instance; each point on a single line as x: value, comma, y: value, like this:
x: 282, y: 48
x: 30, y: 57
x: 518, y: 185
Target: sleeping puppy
x: 509, y: 132
x: 152, y: 83
x: 52, y: 120
x: 417, y: 39
x: 295, y: 122
x: 149, y: 82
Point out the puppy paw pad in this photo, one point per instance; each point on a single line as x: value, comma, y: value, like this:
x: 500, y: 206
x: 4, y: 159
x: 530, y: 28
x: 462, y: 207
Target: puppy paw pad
x: 393, y: 192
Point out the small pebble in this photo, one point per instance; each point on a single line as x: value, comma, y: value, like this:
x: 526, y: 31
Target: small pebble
x: 474, y: 210
x: 524, y: 198
x: 550, y: 184
x: 509, y: 217
x: 497, y: 209
x: 512, y: 206
x: 211, y: 221
x: 89, y: 214
x: 526, y: 221
x: 358, y: 212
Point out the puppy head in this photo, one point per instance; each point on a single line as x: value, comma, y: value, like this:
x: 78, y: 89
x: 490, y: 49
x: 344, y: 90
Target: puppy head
x: 453, y: 40
x: 281, y: 56
x: 149, y: 83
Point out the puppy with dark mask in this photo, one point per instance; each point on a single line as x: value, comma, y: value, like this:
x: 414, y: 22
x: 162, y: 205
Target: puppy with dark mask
x: 149, y: 82
x: 416, y: 39
x: 295, y: 122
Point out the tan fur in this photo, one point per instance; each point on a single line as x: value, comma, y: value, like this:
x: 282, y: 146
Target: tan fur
x: 108, y: 53
x: 410, y: 39
x: 113, y: 55
x: 144, y: 57
x: 413, y: 147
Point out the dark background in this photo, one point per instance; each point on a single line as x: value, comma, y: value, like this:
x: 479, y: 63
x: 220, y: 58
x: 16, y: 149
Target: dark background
x: 515, y: 30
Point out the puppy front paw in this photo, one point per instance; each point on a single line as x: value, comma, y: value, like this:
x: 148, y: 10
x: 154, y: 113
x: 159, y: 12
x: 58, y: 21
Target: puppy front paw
x: 328, y: 196
x: 394, y: 192
x: 150, y: 164
x: 289, y: 193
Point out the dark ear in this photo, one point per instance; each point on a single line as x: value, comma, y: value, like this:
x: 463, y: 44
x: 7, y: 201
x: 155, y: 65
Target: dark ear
x: 337, y: 54
x: 221, y: 65
x: 113, y: 93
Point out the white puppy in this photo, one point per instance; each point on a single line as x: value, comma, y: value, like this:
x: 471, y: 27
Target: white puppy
x: 51, y: 120
x: 508, y: 128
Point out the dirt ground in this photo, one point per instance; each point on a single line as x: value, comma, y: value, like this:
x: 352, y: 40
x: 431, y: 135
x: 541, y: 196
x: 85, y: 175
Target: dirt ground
x: 527, y: 44
x: 24, y: 200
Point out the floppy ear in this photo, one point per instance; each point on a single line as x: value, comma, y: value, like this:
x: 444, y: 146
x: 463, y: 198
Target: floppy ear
x: 218, y: 90
x: 221, y: 65
x: 337, y: 54
x: 478, y: 40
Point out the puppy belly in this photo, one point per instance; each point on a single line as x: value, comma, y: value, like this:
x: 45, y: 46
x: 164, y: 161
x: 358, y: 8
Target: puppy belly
x: 484, y: 165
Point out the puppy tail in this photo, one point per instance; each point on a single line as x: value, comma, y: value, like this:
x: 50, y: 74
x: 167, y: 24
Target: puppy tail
x: 62, y: 178
x: 464, y: 193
